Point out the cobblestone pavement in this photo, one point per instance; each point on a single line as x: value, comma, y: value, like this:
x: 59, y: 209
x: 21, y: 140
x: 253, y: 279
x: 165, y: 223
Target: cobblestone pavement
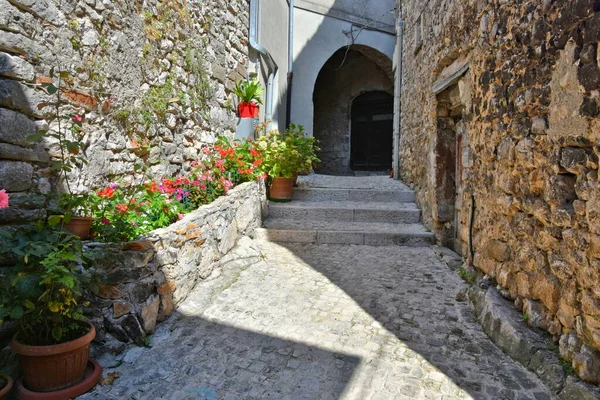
x: 323, y: 322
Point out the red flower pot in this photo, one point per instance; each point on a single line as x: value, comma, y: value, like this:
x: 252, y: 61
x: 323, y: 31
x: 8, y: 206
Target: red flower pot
x: 247, y: 110
x: 281, y: 189
x: 79, y: 226
x: 6, y: 389
x: 54, y: 367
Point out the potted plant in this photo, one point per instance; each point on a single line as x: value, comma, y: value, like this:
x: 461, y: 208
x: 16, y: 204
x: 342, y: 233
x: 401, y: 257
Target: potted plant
x: 281, y: 161
x: 248, y: 93
x: 41, y: 293
x: 78, y: 211
x: 306, y: 146
x: 6, y: 384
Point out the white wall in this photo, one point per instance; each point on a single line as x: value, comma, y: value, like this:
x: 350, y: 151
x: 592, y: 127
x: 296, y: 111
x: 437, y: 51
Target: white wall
x: 273, y: 35
x: 316, y: 38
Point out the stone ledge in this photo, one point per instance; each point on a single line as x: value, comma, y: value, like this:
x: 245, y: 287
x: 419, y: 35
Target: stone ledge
x: 503, y: 324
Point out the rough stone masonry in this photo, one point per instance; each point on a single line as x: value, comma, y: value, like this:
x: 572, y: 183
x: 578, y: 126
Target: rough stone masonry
x: 502, y: 98
x: 152, y: 79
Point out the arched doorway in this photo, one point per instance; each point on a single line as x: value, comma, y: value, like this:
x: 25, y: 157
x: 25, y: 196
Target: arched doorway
x: 349, y: 74
x: 372, y: 132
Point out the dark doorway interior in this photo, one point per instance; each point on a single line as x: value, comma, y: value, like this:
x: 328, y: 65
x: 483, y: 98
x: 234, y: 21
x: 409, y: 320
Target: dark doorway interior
x: 372, y: 132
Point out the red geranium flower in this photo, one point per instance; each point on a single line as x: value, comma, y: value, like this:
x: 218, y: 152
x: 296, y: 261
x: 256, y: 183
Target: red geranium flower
x: 108, y: 192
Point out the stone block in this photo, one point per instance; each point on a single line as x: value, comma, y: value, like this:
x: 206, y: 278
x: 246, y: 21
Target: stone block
x: 498, y: 250
x: 121, y: 308
x: 19, y: 97
x: 116, y: 330
x: 131, y: 325
x: 576, y: 390
x: 18, y: 153
x: 149, y: 313
x: 15, y: 176
x: 16, y: 67
x: 587, y: 364
x: 167, y: 287
x: 166, y: 307
x: 560, y: 189
x: 576, y: 159
x: 109, y: 292
x: 16, y: 127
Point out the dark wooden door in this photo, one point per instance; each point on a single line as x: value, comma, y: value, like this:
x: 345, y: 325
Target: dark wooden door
x: 372, y: 132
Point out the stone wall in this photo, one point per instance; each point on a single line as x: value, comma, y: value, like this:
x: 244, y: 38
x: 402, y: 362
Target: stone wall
x: 152, y: 79
x: 529, y: 108
x: 343, y: 78
x: 139, y: 283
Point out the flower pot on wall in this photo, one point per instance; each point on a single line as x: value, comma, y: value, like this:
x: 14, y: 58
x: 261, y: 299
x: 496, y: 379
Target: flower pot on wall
x: 281, y: 189
x: 79, y: 226
x: 4, y: 391
x: 247, y: 110
x: 54, y: 367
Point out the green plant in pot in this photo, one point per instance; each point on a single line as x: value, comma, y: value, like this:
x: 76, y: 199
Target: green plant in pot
x: 248, y: 93
x: 281, y: 161
x: 306, y: 146
x: 41, y: 293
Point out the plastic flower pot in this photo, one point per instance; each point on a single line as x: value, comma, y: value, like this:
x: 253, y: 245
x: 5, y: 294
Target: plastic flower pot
x: 281, y: 189
x: 79, y: 226
x: 247, y: 110
x: 4, y: 391
x: 54, y: 367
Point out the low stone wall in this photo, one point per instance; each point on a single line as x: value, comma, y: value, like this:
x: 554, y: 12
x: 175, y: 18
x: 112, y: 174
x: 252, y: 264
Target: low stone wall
x: 139, y: 283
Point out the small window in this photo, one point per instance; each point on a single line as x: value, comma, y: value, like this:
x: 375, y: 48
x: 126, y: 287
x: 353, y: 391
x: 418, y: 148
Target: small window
x: 418, y: 34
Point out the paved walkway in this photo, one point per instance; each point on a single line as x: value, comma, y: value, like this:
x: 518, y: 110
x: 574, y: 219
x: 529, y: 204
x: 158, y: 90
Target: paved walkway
x: 298, y: 321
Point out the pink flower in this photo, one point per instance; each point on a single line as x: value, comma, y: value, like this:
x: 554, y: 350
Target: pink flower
x: 113, y: 186
x: 195, y: 183
x: 180, y: 216
x: 219, y: 163
x: 77, y: 118
x: 105, y: 221
x: 3, y: 199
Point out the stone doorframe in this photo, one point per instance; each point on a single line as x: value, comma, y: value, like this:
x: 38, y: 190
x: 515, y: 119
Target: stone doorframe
x: 450, y: 154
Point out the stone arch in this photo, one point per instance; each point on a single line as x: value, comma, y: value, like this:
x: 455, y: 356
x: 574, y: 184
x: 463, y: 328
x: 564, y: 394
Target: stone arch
x: 349, y: 73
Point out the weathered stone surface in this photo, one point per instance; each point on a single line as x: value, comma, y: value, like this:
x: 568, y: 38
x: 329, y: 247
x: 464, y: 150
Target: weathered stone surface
x: 16, y: 127
x: 18, y: 153
x: 134, y: 329
x: 577, y: 390
x: 149, y: 313
x: 498, y: 250
x: 15, y: 176
x: 22, y: 98
x: 120, y: 309
x: 165, y: 308
x: 109, y: 291
x: 587, y: 364
x: 167, y: 287
x: 15, y: 67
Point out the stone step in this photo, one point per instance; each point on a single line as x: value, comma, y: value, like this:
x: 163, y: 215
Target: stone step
x: 361, y: 233
x: 407, y: 213
x: 326, y: 194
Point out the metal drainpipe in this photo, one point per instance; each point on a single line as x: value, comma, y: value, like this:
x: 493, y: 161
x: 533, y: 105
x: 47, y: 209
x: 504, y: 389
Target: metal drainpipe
x: 398, y: 100
x: 290, y: 75
x: 272, y: 66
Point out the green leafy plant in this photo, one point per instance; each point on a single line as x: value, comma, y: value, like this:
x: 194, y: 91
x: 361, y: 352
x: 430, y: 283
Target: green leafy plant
x: 288, y: 153
x: 467, y: 275
x: 248, y: 91
x: 41, y: 291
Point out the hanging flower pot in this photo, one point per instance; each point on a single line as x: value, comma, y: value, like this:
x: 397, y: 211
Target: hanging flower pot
x: 79, y: 226
x: 54, y: 367
x: 281, y: 189
x: 247, y: 109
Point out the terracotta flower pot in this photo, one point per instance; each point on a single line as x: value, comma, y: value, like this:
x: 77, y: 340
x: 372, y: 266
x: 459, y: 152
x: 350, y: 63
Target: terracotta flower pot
x: 6, y: 389
x: 247, y: 110
x: 54, y: 367
x: 281, y: 189
x: 79, y: 226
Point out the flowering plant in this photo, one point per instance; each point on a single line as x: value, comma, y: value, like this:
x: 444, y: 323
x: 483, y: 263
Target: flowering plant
x: 3, y: 199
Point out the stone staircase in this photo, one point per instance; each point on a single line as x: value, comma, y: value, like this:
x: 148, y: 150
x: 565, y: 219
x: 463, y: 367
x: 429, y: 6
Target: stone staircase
x: 371, y: 210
